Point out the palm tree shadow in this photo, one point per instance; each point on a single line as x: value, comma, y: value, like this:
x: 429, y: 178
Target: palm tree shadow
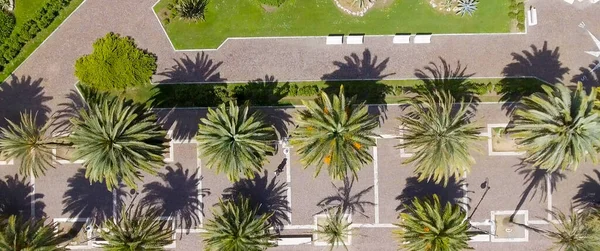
x: 536, y: 180
x: 344, y: 200
x: 446, y: 78
x: 588, y: 193
x: 87, y: 200
x: 279, y: 118
x: 23, y: 94
x: 178, y: 194
x: 269, y: 196
x: 589, y: 77
x: 453, y: 192
x: 198, y: 69
x: 541, y: 63
x: 17, y: 197
x: 261, y: 92
x: 183, y: 122
x: 67, y: 110
x: 355, y: 68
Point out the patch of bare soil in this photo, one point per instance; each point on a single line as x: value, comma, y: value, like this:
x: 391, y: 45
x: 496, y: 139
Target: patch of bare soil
x: 382, y: 4
x: 444, y: 6
x: 268, y: 8
x: 351, y: 5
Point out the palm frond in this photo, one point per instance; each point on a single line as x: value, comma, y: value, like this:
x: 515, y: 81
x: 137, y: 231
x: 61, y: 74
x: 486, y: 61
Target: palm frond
x: 191, y: 9
x: 19, y: 234
x: 336, y: 229
x: 576, y: 231
x: 466, y: 7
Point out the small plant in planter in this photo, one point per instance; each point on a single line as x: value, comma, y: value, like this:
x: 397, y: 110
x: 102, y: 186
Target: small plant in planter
x: 466, y: 7
x: 333, y: 229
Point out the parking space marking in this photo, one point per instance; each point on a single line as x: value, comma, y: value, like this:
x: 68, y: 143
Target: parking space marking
x: 199, y: 188
x: 376, y: 182
x: 288, y: 180
x: 549, y: 195
x: 33, y: 197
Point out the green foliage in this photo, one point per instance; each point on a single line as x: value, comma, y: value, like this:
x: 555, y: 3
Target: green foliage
x: 517, y: 13
x: 442, y: 136
x: 276, y: 3
x: 190, y: 9
x: 558, y: 128
x: 576, y: 231
x: 19, y: 234
x: 28, y: 143
x: 238, y: 227
x: 115, y: 63
x: 335, y: 133
x: 4, y: 5
x: 7, y: 24
x: 140, y: 229
x: 336, y: 229
x: 235, y: 141
x: 427, y: 225
x: 116, y: 139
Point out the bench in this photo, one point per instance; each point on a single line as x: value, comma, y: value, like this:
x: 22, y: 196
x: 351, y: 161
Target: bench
x: 401, y: 39
x: 480, y: 238
x: 355, y: 39
x: 288, y: 240
x: 334, y: 39
x: 532, y: 16
x: 570, y: 1
x: 422, y: 39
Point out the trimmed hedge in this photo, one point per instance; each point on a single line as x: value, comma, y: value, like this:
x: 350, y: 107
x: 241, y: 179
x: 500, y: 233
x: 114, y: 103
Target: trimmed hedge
x: 7, y: 24
x: 29, y: 30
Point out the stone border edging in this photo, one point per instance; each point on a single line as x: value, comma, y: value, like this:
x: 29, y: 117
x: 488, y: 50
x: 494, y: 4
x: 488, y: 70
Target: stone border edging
x: 359, y: 13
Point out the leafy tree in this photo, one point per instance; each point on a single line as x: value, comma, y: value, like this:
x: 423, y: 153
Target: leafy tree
x: 558, y: 128
x: 191, y: 9
x: 17, y: 234
x: 576, y: 231
x: 238, y: 227
x: 441, y: 134
x: 335, y: 230
x: 115, y: 63
x: 426, y: 225
x: 140, y: 229
x: 116, y: 139
x: 29, y: 143
x: 335, y: 133
x: 235, y: 141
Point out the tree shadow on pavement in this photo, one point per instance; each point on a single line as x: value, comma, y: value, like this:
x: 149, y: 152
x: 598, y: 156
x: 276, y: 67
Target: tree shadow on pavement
x: 280, y: 118
x: 536, y: 180
x: 197, y: 69
x: 178, y: 196
x: 182, y: 122
x: 355, y: 68
x: 66, y: 111
x: 453, y: 192
x: 16, y: 198
x: 540, y: 63
x: 589, y: 77
x: 268, y: 195
x: 261, y: 92
x: 444, y: 77
x: 23, y: 94
x: 87, y: 200
x: 588, y: 193
x: 345, y: 200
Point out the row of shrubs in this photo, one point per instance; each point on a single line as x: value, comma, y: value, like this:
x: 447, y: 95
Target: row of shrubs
x: 264, y: 94
x: 7, y: 24
x: 517, y: 13
x: 29, y: 30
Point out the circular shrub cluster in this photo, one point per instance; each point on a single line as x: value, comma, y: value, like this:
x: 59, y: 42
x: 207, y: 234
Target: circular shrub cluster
x: 272, y: 2
x: 7, y: 24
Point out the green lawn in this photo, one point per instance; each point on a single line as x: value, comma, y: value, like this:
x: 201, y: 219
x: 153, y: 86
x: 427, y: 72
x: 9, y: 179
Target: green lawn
x: 280, y: 94
x: 246, y: 18
x: 24, y: 10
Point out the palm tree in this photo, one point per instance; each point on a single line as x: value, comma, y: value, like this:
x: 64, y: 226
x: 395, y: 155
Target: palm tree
x: 441, y: 134
x: 428, y: 226
x: 18, y: 234
x: 235, y: 141
x: 335, y: 133
x: 191, y: 9
x: 238, y: 227
x: 576, y: 231
x: 140, y: 229
x: 117, y: 138
x: 29, y: 143
x: 336, y: 229
x: 558, y: 128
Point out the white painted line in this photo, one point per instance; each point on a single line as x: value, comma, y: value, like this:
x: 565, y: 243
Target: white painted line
x: 115, y: 212
x: 549, y: 195
x: 33, y: 197
x: 385, y: 225
x: 465, y: 198
x: 538, y: 222
x: 288, y: 179
x: 199, y: 177
x: 376, y: 182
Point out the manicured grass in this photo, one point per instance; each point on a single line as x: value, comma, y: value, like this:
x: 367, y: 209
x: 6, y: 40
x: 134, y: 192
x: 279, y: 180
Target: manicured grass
x: 246, y: 18
x: 280, y: 94
x: 23, y: 14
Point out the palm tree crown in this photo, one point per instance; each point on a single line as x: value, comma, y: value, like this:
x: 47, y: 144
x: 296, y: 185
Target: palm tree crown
x: 235, y: 141
x: 441, y: 134
x: 238, y: 227
x: 18, y: 234
x: 335, y: 133
x: 558, y: 128
x: 429, y: 226
x: 577, y: 231
x: 28, y: 143
x: 116, y: 138
x: 140, y: 229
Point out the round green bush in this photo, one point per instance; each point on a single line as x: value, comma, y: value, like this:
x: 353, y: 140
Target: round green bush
x: 7, y: 24
x: 272, y: 2
x: 115, y: 63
